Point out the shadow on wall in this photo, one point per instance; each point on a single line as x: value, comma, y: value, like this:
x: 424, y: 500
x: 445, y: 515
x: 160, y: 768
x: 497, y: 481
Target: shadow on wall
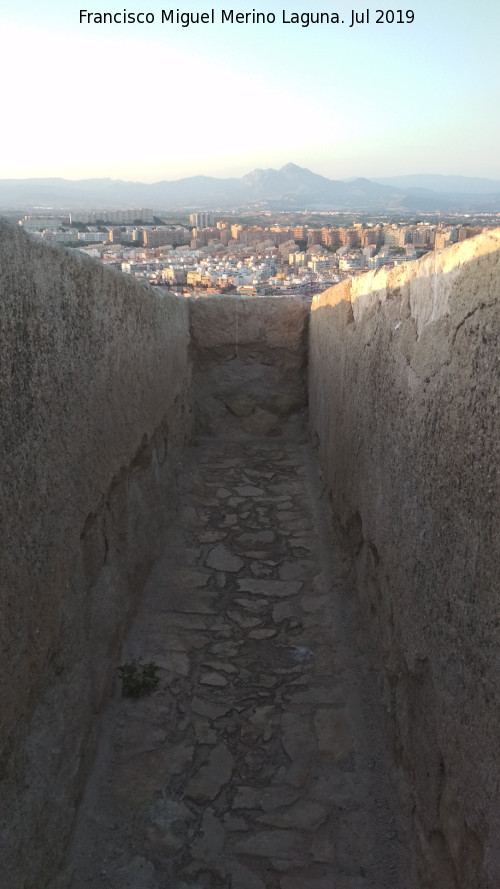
x: 403, y: 391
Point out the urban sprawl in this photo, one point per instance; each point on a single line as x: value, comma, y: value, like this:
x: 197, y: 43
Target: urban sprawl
x: 218, y: 255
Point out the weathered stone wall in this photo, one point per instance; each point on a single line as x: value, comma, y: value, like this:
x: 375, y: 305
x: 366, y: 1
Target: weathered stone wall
x: 94, y: 380
x: 404, y: 401
x: 249, y: 365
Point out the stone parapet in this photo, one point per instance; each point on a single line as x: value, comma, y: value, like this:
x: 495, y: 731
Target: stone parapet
x: 404, y: 404
x: 94, y: 376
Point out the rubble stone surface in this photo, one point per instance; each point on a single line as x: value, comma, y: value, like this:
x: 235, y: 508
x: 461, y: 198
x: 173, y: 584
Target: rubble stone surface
x: 259, y: 762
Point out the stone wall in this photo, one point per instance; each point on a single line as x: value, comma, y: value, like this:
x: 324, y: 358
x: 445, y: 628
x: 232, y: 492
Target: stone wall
x: 249, y: 365
x: 404, y: 401
x: 94, y: 380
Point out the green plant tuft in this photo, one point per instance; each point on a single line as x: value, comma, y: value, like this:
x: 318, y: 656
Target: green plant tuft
x: 138, y: 680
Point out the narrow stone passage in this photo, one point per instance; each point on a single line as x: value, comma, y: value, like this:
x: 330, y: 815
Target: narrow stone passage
x: 258, y: 763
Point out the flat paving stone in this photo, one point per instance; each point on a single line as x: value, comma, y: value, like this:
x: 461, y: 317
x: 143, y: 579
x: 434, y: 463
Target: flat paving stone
x: 209, y: 846
x: 207, y: 783
x: 284, y: 611
x: 251, y: 766
x: 205, y: 707
x: 255, y: 606
x: 262, y: 633
x: 221, y: 558
x: 284, y: 844
x: 304, y: 815
x: 247, y: 798
x: 214, y: 679
x: 243, y: 620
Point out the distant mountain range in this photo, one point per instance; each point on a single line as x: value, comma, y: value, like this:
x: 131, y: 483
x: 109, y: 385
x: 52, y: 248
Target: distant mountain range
x: 290, y: 188
x: 444, y: 184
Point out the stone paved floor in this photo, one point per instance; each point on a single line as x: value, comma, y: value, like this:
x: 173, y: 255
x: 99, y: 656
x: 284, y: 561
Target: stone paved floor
x: 258, y: 763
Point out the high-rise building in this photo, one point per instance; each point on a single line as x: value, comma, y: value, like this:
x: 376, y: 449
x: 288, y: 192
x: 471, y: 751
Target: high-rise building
x: 202, y: 220
x: 236, y: 231
x: 313, y: 236
x: 349, y: 237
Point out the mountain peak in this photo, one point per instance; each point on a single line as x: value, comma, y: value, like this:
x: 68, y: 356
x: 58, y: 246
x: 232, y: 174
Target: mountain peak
x: 291, y: 187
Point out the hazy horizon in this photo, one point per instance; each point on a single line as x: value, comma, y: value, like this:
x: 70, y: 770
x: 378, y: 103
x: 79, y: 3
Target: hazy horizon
x: 149, y: 181
x: 160, y: 102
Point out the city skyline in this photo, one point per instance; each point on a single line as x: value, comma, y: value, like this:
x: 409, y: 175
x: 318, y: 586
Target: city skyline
x: 161, y: 102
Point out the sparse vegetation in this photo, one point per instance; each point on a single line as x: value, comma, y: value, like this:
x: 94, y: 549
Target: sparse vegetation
x: 138, y: 680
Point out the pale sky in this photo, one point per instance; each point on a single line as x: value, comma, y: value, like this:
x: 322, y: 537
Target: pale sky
x: 151, y: 102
